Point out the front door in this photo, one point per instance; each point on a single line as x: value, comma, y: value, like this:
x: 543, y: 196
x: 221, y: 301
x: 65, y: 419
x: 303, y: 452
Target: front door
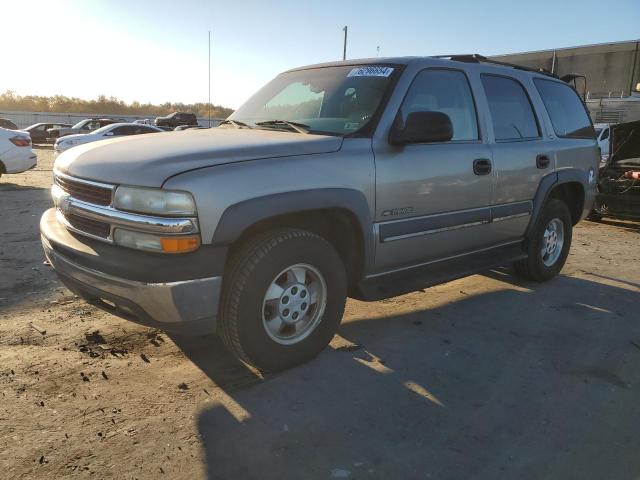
x: 433, y: 200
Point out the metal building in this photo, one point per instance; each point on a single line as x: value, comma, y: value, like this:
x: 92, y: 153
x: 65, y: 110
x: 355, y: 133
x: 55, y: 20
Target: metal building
x: 612, y: 71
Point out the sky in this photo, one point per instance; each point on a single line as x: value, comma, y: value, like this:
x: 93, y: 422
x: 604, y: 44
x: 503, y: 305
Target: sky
x: 157, y: 51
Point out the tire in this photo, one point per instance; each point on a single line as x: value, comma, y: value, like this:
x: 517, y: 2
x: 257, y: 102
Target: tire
x: 253, y: 317
x: 542, y: 266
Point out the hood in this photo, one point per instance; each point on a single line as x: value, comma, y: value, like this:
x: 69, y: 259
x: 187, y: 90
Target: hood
x: 625, y: 145
x: 148, y: 160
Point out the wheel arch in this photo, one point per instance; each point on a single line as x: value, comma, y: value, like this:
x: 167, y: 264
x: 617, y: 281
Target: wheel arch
x: 341, y: 216
x: 569, y: 185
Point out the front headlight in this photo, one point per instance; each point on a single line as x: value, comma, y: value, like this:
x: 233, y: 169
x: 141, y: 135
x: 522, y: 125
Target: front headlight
x: 154, y: 201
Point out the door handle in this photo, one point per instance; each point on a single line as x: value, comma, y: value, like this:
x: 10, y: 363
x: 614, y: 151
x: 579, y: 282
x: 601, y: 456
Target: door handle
x: 482, y: 166
x: 543, y: 161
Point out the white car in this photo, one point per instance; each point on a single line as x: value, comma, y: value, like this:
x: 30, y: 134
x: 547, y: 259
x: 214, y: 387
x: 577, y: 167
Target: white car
x: 104, y: 133
x: 16, y: 154
x: 602, y: 134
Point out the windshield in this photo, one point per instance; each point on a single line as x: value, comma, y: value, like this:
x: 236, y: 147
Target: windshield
x: 80, y: 124
x: 333, y: 100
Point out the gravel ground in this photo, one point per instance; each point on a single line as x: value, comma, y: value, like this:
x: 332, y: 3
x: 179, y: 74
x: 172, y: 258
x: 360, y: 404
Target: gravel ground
x: 486, y: 377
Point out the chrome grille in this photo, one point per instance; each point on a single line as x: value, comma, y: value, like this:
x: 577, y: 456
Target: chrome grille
x: 90, y: 226
x: 85, y: 191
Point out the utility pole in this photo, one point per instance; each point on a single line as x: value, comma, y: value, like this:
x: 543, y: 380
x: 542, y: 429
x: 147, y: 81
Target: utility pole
x: 378, y: 51
x: 344, y: 51
x: 209, y: 104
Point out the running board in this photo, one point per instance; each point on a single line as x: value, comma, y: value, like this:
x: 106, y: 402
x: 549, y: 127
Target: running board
x: 421, y: 277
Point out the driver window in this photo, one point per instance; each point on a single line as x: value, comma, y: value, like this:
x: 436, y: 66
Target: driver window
x: 445, y: 91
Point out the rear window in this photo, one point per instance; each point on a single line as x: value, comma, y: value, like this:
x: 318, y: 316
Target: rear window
x: 568, y: 115
x: 510, y: 108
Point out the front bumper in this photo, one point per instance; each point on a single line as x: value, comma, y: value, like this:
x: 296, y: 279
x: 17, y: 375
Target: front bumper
x: 186, y: 306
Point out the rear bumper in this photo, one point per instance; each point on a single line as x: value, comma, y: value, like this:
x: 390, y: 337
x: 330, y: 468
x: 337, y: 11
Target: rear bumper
x: 185, y: 306
x: 18, y: 161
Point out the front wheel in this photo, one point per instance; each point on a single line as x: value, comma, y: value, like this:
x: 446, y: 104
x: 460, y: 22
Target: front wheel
x: 283, y: 299
x: 549, y: 244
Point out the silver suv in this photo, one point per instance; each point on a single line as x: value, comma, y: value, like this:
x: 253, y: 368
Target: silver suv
x: 363, y: 178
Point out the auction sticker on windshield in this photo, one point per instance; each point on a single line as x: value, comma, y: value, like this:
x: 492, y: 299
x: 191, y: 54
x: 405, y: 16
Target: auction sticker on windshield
x: 371, y: 71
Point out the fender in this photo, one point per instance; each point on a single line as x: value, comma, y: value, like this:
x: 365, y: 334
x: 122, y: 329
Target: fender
x: 240, y: 216
x: 549, y: 182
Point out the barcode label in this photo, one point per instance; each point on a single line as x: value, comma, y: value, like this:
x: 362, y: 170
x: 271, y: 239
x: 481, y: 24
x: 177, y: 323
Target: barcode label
x: 371, y: 71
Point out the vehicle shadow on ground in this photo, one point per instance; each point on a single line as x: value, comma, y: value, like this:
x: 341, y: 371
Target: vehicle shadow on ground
x: 22, y: 275
x: 15, y: 187
x: 629, y: 225
x: 530, y: 381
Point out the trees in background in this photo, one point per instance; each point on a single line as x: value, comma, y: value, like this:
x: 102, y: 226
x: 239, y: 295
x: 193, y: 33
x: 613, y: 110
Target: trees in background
x: 103, y: 104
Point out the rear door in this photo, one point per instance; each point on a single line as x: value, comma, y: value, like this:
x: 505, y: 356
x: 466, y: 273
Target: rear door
x: 521, y: 154
x: 430, y: 203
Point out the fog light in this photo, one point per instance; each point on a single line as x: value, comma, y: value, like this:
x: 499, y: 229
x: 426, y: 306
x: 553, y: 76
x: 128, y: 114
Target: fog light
x: 137, y: 240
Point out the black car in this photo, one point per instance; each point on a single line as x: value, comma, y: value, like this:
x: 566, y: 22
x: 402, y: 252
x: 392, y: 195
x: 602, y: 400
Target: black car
x: 4, y: 123
x: 176, y: 119
x: 619, y: 180
x: 38, y: 131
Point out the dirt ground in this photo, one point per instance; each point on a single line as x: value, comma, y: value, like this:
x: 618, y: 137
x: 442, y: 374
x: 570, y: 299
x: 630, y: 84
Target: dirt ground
x: 482, y: 378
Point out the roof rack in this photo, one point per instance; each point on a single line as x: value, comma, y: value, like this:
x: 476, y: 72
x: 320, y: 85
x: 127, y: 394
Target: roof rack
x: 476, y: 58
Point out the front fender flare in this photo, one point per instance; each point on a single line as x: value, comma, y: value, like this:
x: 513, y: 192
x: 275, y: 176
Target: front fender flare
x: 240, y: 216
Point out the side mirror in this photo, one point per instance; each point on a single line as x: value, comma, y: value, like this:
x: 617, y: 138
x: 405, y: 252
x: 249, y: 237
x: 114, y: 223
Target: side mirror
x: 422, y: 127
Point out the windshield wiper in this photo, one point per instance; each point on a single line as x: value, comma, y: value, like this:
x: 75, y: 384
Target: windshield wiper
x: 235, y: 123
x: 298, y: 127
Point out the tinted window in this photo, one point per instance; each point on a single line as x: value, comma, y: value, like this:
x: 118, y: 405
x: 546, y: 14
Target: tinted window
x: 445, y: 91
x: 124, y: 130
x: 568, y: 115
x: 140, y: 130
x: 511, y: 111
x: 605, y: 135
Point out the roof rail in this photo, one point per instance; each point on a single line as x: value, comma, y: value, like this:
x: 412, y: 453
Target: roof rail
x: 476, y: 58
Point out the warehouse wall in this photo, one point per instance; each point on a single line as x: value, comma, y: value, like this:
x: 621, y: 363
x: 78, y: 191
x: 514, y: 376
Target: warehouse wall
x: 612, y: 68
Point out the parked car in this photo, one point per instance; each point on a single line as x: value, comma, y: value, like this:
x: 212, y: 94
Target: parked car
x: 602, y: 135
x: 362, y: 178
x: 109, y: 131
x: 175, y: 119
x: 188, y: 127
x: 84, y: 126
x: 38, y: 131
x: 619, y: 179
x: 8, y: 124
x: 144, y: 121
x: 16, y: 154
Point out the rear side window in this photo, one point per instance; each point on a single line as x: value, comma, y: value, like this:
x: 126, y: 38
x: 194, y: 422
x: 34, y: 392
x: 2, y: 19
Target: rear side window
x: 445, y: 91
x: 511, y: 111
x: 568, y: 115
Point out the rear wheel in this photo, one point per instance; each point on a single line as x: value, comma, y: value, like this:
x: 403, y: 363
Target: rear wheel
x: 549, y: 244
x: 283, y: 299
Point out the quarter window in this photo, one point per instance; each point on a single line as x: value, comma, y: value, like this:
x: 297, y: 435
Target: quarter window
x: 511, y: 111
x: 568, y: 115
x: 445, y: 91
